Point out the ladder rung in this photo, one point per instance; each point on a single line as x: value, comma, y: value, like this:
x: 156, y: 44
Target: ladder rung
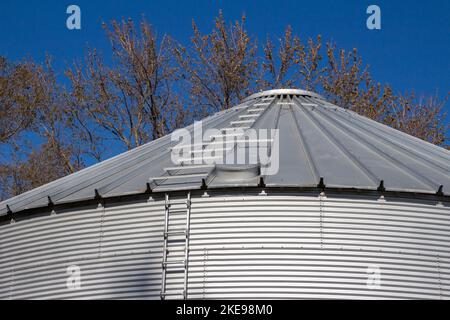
x: 200, y: 144
x: 308, y: 104
x: 180, y: 262
x: 175, y: 233
x: 172, y: 202
x: 206, y: 150
x: 240, y: 107
x: 249, y: 115
x: 241, y: 122
x: 178, y: 211
x: 234, y: 128
x: 212, y: 143
x: 199, y: 166
x: 194, y: 175
x: 210, y: 150
x: 255, y: 110
x: 224, y: 136
x: 176, y: 293
x: 235, y: 141
x: 201, y: 159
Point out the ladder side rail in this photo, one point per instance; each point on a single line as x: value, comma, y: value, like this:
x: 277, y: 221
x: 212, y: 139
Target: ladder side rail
x: 186, y: 248
x: 166, y: 226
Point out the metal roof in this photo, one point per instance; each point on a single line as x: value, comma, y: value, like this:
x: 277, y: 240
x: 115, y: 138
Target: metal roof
x: 316, y: 140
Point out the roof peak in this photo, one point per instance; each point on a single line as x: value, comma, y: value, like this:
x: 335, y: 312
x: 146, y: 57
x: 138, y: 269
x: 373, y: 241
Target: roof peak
x: 284, y: 91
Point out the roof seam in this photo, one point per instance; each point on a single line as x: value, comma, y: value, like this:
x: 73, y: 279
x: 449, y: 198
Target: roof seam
x: 418, y: 177
x: 344, y: 150
x: 305, y: 147
x: 412, y: 155
x: 411, y: 140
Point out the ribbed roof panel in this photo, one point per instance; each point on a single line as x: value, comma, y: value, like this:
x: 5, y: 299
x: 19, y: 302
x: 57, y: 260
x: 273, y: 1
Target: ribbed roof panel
x: 316, y: 140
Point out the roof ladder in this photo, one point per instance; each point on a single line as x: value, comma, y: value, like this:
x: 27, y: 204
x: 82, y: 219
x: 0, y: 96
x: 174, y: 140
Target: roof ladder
x: 171, y: 263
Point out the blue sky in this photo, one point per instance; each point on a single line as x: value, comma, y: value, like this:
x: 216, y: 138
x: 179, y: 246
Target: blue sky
x: 411, y: 51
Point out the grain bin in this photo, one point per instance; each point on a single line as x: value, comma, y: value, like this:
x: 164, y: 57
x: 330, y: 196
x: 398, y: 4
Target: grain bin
x: 352, y: 209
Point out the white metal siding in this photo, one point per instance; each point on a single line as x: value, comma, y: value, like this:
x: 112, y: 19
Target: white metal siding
x: 306, y: 247
x: 241, y: 246
x: 118, y: 249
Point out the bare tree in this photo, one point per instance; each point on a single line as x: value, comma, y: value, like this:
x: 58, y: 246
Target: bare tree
x: 343, y: 79
x: 278, y: 64
x: 220, y: 66
x: 42, y: 166
x: 132, y: 101
x: 347, y: 82
x: 43, y: 117
x: 292, y: 63
x: 421, y: 117
x: 308, y: 61
x: 20, y: 97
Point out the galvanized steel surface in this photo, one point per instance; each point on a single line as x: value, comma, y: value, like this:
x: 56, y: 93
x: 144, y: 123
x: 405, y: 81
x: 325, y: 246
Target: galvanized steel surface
x: 242, y: 245
x: 317, y: 140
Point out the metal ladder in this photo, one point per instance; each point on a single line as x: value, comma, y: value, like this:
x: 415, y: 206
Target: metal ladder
x: 175, y: 265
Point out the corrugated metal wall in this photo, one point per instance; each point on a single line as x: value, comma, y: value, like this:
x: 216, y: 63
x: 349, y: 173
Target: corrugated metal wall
x: 117, y: 249
x: 310, y: 247
x: 242, y: 246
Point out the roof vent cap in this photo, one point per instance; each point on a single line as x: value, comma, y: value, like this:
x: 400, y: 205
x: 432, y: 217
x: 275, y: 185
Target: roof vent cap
x: 236, y: 172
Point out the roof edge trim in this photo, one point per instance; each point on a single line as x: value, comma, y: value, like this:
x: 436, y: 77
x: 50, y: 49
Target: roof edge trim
x: 417, y: 196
